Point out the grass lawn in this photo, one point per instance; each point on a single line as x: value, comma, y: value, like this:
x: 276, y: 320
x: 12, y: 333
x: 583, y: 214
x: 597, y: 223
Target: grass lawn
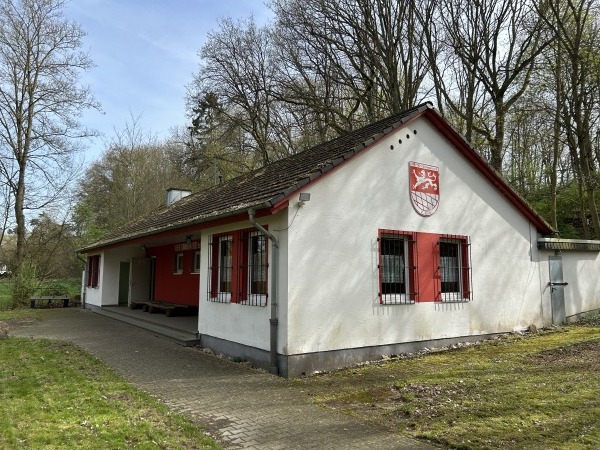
x: 55, y: 396
x: 519, y: 392
x: 5, y: 290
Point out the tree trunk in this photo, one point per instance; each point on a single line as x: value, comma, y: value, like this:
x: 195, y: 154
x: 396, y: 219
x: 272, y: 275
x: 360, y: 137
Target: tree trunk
x: 497, y: 143
x: 20, y: 218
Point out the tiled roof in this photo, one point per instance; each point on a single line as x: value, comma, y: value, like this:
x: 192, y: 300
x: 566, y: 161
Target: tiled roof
x: 265, y: 187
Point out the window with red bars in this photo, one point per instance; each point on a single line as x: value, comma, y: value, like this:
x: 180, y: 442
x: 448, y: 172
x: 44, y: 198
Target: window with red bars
x: 397, y: 267
x: 93, y: 275
x: 453, y: 275
x: 238, y: 268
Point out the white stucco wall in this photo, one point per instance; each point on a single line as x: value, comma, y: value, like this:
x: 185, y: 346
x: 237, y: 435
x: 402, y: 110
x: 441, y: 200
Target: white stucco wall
x: 240, y: 323
x: 107, y: 292
x: 333, y: 277
x: 581, y: 269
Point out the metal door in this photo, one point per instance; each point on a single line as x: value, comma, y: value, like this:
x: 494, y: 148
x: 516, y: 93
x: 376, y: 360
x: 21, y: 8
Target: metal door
x: 557, y: 288
x: 140, y: 280
x: 124, y: 271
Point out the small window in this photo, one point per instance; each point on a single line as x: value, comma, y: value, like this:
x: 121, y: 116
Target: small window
x: 396, y: 268
x: 196, y: 262
x: 179, y: 263
x: 454, y: 270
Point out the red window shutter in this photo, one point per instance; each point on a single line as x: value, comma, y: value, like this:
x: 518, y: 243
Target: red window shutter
x: 437, y: 263
x: 242, y: 265
x: 89, y: 271
x: 379, y: 266
x: 96, y: 270
x: 466, y: 268
x: 93, y: 270
x: 413, y: 265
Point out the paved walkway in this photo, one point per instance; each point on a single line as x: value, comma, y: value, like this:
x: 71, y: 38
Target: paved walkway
x: 241, y: 407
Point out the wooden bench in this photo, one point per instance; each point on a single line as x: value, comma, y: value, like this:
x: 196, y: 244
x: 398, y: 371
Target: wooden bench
x: 50, y: 299
x: 156, y: 306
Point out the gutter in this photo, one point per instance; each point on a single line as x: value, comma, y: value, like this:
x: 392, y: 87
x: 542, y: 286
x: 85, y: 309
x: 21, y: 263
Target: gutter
x: 274, y: 322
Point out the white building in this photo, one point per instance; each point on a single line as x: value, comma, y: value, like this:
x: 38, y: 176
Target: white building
x: 394, y: 237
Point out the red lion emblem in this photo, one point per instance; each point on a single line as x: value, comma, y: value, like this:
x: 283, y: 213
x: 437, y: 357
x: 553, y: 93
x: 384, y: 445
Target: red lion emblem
x: 424, y: 182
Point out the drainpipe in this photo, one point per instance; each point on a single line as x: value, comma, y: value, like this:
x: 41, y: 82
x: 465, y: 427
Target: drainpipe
x: 85, y: 269
x: 275, y: 261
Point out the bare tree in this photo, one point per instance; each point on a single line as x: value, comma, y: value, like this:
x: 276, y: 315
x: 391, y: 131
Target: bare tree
x: 490, y: 52
x: 351, y: 61
x: 40, y: 101
x: 128, y: 181
x: 576, y: 25
x: 234, y: 86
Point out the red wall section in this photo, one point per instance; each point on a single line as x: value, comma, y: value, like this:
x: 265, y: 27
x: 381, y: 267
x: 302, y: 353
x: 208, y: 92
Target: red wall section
x: 171, y: 287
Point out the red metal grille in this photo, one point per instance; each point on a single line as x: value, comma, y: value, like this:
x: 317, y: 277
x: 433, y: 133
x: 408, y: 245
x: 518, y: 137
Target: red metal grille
x: 398, y: 280
x: 453, y: 269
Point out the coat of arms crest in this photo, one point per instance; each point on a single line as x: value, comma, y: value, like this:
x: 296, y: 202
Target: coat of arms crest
x: 424, y: 187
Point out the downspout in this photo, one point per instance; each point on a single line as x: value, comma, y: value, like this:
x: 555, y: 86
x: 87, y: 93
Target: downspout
x: 85, y: 271
x: 273, y: 320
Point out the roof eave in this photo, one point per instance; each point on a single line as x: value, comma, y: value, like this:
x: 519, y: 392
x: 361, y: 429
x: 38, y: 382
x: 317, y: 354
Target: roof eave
x: 261, y: 206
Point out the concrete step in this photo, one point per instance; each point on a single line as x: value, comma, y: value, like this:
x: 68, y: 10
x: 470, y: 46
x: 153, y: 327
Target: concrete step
x: 167, y: 327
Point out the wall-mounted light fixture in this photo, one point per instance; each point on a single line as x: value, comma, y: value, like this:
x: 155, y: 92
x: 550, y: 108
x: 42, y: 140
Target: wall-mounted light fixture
x: 303, y: 198
x: 188, y: 241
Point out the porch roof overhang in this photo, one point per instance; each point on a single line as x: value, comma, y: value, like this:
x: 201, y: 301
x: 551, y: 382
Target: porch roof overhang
x: 559, y: 244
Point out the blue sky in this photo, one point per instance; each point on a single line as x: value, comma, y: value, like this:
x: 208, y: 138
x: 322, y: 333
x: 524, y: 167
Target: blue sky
x: 145, y: 52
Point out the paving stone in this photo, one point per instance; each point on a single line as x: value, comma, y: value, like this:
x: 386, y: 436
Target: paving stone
x: 241, y: 407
